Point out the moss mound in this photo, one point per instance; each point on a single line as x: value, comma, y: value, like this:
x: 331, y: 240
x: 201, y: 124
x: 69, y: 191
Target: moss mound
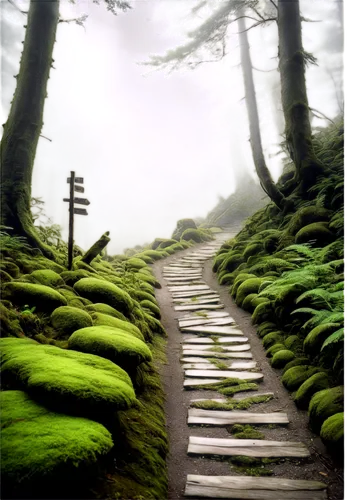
x: 197, y: 235
x: 316, y: 383
x: 36, y: 442
x: 100, y: 319
x: 332, y: 433
x: 295, y: 376
x: 42, y: 297
x: 153, y: 308
x: 66, y: 319
x: 71, y: 277
x: 65, y: 379
x: 101, y: 291
x: 117, y: 345
x: 296, y: 362
x: 47, y: 277
x: 316, y: 234
x: 314, y: 340
x: 135, y: 263
x: 182, y: 225
x: 273, y: 349
x: 293, y: 342
x: 272, y: 338
x: 249, y: 286
x: 105, y: 309
x: 281, y: 358
x: 324, y: 404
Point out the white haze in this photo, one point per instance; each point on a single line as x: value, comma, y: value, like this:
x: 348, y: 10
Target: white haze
x: 153, y: 147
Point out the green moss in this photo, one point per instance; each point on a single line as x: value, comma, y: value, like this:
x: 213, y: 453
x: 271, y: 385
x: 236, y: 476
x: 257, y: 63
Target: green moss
x: 324, y: 404
x: 48, y: 278
x: 114, y: 344
x: 105, y: 292
x: 317, y: 234
x: 246, y: 305
x: 66, y: 379
x: 153, y: 309
x: 37, y: 443
x: 135, y: 263
x: 100, y: 319
x: 247, y: 287
x: 332, y: 433
x: 281, y: 358
x: 234, y: 389
x: 230, y: 404
x: 272, y: 338
x: 148, y: 279
x: 143, y: 295
x: 294, y: 343
x: 316, y: 383
x: 306, y: 216
x: 266, y: 327
x: 314, y: 340
x: 42, y: 297
x: 71, y: 277
x: 182, y: 225
x: 197, y: 235
x: 273, y: 349
x: 227, y: 279
x: 231, y: 261
x: 246, y: 432
x: 295, y: 376
x: 10, y: 267
x: 296, y: 362
x: 4, y: 276
x: 105, y: 309
x: 153, y: 254
x: 66, y: 320
x: 252, y: 249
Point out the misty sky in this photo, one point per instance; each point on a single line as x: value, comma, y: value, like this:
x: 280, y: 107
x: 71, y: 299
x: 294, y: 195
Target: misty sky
x: 154, y: 146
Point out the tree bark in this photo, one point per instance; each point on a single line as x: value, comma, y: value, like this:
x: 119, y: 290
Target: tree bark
x: 23, y: 126
x: 96, y: 248
x: 294, y: 95
x: 255, y: 135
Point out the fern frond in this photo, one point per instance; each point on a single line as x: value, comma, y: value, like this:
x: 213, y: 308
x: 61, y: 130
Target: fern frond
x: 335, y: 337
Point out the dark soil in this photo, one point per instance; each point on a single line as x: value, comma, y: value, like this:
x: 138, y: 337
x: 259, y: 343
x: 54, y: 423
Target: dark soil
x: 320, y: 466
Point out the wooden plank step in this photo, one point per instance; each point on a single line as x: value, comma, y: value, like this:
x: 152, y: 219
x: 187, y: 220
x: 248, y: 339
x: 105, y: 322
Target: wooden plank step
x: 206, y: 314
x: 198, y: 307
x: 213, y: 330
x: 208, y: 340
x: 226, y: 348
x: 253, y: 488
x: 180, y: 277
x: 246, y: 447
x: 204, y: 321
x: 188, y: 288
x: 200, y: 381
x: 181, y: 270
x: 237, y: 397
x: 222, y: 418
x: 200, y: 301
x: 235, y: 365
x: 242, y: 375
x: 219, y: 355
x: 194, y: 293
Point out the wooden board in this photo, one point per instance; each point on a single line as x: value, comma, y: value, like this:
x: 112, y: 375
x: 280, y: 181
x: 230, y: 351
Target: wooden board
x: 246, y: 447
x: 210, y: 347
x: 204, y: 365
x: 200, y: 381
x: 253, y: 488
x: 219, y: 340
x: 206, y: 314
x: 204, y: 321
x: 222, y: 418
x: 198, y: 307
x: 183, y: 278
x: 213, y: 330
x: 241, y: 375
x: 219, y: 355
x: 187, y: 288
x: 186, y: 301
x: 188, y: 294
x: 181, y: 270
x: 237, y: 397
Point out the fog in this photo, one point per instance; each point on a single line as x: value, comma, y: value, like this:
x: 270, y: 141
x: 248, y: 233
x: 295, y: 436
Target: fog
x: 155, y: 146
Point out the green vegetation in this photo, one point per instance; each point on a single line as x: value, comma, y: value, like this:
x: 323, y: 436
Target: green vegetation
x: 324, y: 404
x: 102, y: 291
x: 246, y: 432
x: 332, y: 433
x: 65, y: 320
x: 295, y: 376
x: 230, y: 404
x: 317, y: 382
x: 281, y: 358
x: 42, y: 297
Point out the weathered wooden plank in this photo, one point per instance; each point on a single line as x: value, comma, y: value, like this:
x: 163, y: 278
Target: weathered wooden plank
x: 204, y: 365
x: 219, y: 355
x: 219, y: 340
x: 194, y: 360
x: 181, y: 277
x: 241, y: 375
x: 199, y: 381
x: 222, y: 418
x: 187, y: 288
x: 213, y: 330
x: 237, y: 397
x: 198, y: 307
x: 204, y: 321
x: 206, y: 314
x: 199, y: 366
x: 194, y: 293
x: 253, y: 488
x: 210, y: 347
x: 182, y: 270
x: 246, y: 447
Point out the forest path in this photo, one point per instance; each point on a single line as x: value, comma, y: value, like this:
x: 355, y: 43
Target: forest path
x: 304, y: 469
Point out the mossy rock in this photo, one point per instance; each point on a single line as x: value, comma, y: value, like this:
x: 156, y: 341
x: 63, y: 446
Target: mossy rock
x: 135, y: 263
x: 100, y: 319
x: 332, y: 433
x: 167, y: 243
x: 143, y: 295
x: 48, y: 278
x: 71, y: 277
x: 249, y: 286
x: 70, y: 380
x: 4, y: 276
x: 182, y: 225
x: 153, y: 309
x: 317, y: 234
x: 306, y: 216
x: 150, y: 280
x: 66, y: 320
x: 105, y: 309
x: 293, y: 342
x: 37, y: 443
x: 257, y: 300
x: 143, y: 256
x: 231, y: 262
x: 240, y: 278
x: 323, y: 405
x: 316, y: 383
x: 281, y: 358
x: 316, y: 337
x: 9, y: 322
x: 153, y: 254
x: 296, y: 362
x: 252, y: 249
x: 114, y: 344
x: 227, y: 279
x: 247, y: 303
x: 10, y: 267
x: 197, y: 235
x: 272, y: 338
x: 218, y: 260
x: 265, y: 328
x: 42, y: 297
x: 273, y: 349
x: 157, y: 242
x: 295, y: 376
x: 105, y: 292
x: 78, y: 264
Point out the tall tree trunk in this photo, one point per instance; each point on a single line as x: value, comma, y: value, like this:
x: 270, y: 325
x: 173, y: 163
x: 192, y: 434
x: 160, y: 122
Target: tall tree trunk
x: 294, y: 95
x: 255, y: 135
x: 23, y: 126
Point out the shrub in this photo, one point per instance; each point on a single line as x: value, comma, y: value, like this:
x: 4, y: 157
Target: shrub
x: 182, y: 225
x: 102, y: 291
x: 317, y: 382
x: 281, y: 358
x: 66, y: 319
x: 324, y: 404
x: 42, y: 297
x: 295, y: 376
x: 332, y: 433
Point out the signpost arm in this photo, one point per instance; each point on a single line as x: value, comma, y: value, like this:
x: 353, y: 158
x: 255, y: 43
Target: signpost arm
x: 71, y: 222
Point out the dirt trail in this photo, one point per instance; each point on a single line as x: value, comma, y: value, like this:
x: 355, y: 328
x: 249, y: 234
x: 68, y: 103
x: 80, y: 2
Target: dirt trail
x: 317, y: 467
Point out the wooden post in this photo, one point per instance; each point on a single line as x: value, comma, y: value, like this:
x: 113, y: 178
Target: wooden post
x: 71, y: 221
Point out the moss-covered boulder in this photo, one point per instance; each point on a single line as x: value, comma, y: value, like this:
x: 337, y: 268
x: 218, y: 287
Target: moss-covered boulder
x: 117, y: 345
x: 332, y: 433
x: 296, y: 362
x: 153, y: 254
x: 197, y: 235
x: 252, y: 249
x: 273, y: 349
x: 295, y: 376
x: 48, y: 278
x: 182, y: 225
x: 306, y: 216
x: 152, y: 308
x: 249, y: 286
x: 314, y: 340
x: 71, y: 277
x: 272, y: 338
x: 316, y: 234
x: 140, y: 295
x: 281, y: 358
x: 316, y: 383
x: 105, y: 309
x: 68, y: 380
x: 324, y: 404
x: 42, y: 297
x: 37, y: 443
x: 100, y: 319
x: 167, y: 243
x: 247, y: 303
x: 135, y: 263
x: 102, y: 291
x: 294, y: 343
x: 66, y: 320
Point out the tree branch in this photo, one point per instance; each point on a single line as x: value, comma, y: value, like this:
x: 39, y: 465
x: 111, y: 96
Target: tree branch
x: 273, y: 3
x: 17, y: 7
x: 77, y: 20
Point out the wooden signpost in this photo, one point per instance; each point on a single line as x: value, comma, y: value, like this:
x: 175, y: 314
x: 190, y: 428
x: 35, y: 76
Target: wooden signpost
x: 74, y: 210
